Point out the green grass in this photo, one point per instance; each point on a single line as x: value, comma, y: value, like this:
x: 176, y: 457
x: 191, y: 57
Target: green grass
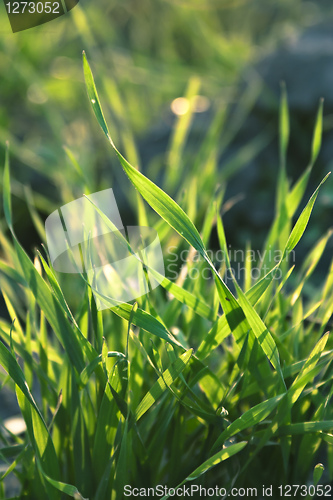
x: 192, y: 375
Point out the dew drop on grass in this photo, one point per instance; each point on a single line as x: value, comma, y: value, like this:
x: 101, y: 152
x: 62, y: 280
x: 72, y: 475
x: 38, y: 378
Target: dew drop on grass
x: 93, y: 101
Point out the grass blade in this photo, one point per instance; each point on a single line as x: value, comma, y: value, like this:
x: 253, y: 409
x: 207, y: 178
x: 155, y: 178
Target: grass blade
x: 302, y: 221
x: 250, y: 418
x: 168, y: 377
x: 212, y: 462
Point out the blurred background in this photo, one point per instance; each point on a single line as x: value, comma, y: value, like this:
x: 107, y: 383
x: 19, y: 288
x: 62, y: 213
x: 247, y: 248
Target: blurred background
x: 190, y: 89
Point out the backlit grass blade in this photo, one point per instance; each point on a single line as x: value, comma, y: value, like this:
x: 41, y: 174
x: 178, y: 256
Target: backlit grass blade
x: 89, y: 369
x: 295, y: 195
x: 78, y: 169
x: 243, y: 331
x: 261, y: 331
x: 282, y: 183
x: 326, y: 309
x: 179, y: 134
x: 306, y: 427
x: 55, y: 286
x: 216, y: 459
x: 221, y: 329
x: 292, y: 395
x: 302, y: 221
x: 317, y: 473
x: 11, y: 366
x: 178, y: 292
x: 75, y: 344
x: 255, y: 322
x: 317, y: 134
x: 26, y: 453
x: 165, y: 206
x: 186, y: 297
x: 301, y: 380
x: 16, y: 325
x: 169, y: 376
x: 310, y: 264
x: 243, y: 156
x: 327, y: 437
x: 92, y: 93
x: 106, y: 427
x: 35, y: 217
x: 40, y: 439
x: 139, y: 317
x: 248, y: 268
x: 250, y: 418
x: 44, y: 444
x: 284, y: 126
x: 7, y: 204
x: 12, y: 273
x: 68, y: 489
x: 122, y: 470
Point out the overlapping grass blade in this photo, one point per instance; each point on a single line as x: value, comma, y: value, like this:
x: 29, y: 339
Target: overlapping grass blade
x: 306, y: 427
x: 68, y: 489
x: 258, y: 327
x: 302, y: 378
x: 9, y: 363
x: 176, y: 218
x: 250, y: 418
x: 167, y: 378
x: 216, y: 459
x: 40, y: 439
x: 74, y: 342
x: 178, y: 292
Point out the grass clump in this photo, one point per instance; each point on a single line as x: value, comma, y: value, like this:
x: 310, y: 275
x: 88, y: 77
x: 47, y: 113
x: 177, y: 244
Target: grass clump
x: 192, y: 375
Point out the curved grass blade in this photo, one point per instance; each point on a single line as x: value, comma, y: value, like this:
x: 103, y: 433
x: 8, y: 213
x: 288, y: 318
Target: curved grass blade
x: 165, y: 206
x: 284, y: 126
x: 258, y: 327
x: 250, y: 418
x: 92, y: 93
x: 170, y: 211
x: 216, y: 459
x: 318, y: 133
x: 89, y: 369
x: 302, y: 221
x: 168, y: 377
x: 70, y: 490
x: 305, y: 427
x: 11, y: 366
x: 139, y: 317
x: 301, y: 380
x: 7, y: 204
x: 76, y: 345
x: 179, y: 293
x: 40, y: 439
